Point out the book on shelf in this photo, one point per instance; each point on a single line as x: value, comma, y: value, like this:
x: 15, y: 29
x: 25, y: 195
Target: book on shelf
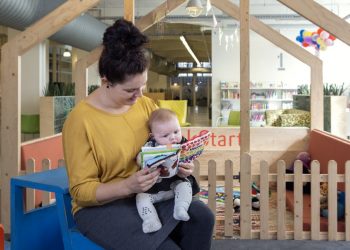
x: 168, y: 157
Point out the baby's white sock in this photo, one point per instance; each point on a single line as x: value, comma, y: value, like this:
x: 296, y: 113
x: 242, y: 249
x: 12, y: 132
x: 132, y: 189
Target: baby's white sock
x: 148, y: 213
x: 183, y: 198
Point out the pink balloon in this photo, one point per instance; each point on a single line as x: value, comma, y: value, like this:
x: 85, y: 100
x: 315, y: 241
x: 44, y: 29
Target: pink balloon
x: 329, y: 42
x: 324, y: 35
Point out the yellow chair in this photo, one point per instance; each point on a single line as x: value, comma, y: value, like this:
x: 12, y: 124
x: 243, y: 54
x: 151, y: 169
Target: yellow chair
x: 179, y: 107
x: 234, y: 119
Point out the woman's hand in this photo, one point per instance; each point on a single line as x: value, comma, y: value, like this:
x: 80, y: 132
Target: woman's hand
x: 142, y: 180
x: 185, y: 169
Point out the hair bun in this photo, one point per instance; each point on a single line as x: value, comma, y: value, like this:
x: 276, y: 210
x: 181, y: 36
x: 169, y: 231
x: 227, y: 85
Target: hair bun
x: 122, y: 37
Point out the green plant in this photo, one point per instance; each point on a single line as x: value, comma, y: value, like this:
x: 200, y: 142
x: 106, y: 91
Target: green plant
x: 303, y: 89
x: 333, y: 89
x: 328, y: 89
x: 59, y: 89
x: 92, y: 88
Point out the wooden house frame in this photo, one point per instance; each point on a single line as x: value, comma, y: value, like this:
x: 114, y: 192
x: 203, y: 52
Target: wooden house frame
x: 44, y: 28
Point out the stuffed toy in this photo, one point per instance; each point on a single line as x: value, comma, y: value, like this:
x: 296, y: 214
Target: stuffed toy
x: 305, y: 158
x: 324, y: 202
x: 255, y: 199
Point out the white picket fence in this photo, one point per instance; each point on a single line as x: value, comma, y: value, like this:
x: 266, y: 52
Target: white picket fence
x: 265, y: 180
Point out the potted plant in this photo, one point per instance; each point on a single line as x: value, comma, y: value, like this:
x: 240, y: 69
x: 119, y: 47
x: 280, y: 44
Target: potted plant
x: 334, y: 106
x: 57, y: 101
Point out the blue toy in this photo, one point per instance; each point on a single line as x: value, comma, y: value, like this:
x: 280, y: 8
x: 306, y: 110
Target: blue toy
x: 340, y: 207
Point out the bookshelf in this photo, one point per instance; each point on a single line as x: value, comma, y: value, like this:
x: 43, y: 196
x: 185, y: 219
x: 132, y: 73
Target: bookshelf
x: 263, y: 96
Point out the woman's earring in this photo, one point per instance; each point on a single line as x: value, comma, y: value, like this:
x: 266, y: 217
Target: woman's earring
x: 107, y: 86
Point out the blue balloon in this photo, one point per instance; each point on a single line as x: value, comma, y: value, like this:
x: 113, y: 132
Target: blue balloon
x: 300, y: 39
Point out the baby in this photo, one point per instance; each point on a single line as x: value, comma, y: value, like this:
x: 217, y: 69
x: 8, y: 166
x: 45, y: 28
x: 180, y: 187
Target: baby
x: 165, y: 129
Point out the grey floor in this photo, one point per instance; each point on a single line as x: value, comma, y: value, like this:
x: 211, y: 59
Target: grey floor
x: 278, y: 244
x: 198, y: 116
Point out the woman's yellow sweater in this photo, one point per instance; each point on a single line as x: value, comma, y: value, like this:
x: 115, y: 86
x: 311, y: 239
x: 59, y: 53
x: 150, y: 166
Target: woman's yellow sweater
x: 100, y: 147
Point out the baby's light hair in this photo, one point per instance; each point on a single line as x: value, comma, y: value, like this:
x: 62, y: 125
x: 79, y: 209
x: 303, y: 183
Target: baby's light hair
x: 159, y: 116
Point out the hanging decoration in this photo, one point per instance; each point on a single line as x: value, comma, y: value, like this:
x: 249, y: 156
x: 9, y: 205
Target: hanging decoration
x: 237, y: 33
x: 232, y: 40
x: 208, y: 7
x: 226, y: 41
x: 221, y: 33
x: 319, y: 39
x: 215, y: 22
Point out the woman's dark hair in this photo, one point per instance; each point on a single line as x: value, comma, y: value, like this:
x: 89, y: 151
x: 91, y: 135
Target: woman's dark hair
x: 123, y: 54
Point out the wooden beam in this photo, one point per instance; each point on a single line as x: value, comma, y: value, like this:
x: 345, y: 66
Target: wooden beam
x: 129, y: 10
x: 245, y: 114
x: 316, y: 96
x: 143, y: 24
x: 245, y: 76
x: 158, y: 14
x: 321, y: 17
x: 81, y: 89
x: 11, y: 90
x: 290, y: 47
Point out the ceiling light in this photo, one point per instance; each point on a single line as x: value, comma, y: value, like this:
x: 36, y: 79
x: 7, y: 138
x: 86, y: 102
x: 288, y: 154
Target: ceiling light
x: 194, y: 8
x: 67, y: 53
x: 183, y: 40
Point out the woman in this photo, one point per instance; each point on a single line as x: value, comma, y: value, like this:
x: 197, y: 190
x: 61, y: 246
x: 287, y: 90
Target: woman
x: 101, y: 139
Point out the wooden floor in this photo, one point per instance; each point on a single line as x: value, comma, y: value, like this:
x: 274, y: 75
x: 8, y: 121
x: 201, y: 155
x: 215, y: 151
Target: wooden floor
x: 198, y: 116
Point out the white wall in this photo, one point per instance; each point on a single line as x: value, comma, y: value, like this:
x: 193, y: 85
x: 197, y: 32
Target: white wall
x: 93, y: 76
x: 34, y: 67
x: 264, y: 63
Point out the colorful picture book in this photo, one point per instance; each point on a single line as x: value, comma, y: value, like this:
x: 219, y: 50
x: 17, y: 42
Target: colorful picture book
x: 167, y: 157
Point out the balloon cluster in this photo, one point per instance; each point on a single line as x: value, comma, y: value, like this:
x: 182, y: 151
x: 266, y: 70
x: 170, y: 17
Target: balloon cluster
x: 320, y: 39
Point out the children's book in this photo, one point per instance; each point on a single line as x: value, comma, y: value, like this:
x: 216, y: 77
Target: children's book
x: 167, y: 157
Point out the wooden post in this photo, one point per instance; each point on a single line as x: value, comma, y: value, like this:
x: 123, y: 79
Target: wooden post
x: 316, y: 97
x: 298, y: 200
x: 264, y: 200
x: 281, y: 200
x: 245, y: 76
x: 246, y: 200
x: 228, y: 202
x: 332, y: 201
x: 315, y: 200
x: 212, y: 189
x: 129, y: 10
x: 11, y: 89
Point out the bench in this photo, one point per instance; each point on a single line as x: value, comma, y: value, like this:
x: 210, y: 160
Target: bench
x: 323, y: 147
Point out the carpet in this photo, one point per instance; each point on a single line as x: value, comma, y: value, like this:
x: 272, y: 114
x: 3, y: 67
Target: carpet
x: 255, y: 216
